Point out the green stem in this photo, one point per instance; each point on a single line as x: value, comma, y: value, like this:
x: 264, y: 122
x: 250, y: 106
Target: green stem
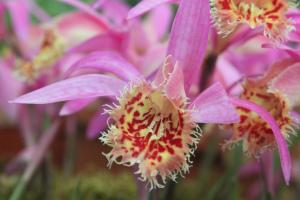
x: 19, y: 189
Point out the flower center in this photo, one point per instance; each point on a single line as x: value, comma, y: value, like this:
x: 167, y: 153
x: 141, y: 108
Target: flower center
x: 52, y: 48
x: 227, y: 14
x: 255, y: 133
x: 152, y: 131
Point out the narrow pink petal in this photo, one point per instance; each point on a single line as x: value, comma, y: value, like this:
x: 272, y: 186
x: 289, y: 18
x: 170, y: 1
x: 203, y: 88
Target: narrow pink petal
x: 214, y: 106
x: 98, y: 3
x: 70, y: 26
x: 145, y: 6
x: 174, y: 86
x: 97, y: 124
x: 38, y: 12
x: 189, y: 37
x: 74, y: 106
x: 284, y: 154
x: 2, y: 22
x: 10, y: 89
x: 243, y: 35
x: 294, y: 53
x: 161, y: 20
x: 87, y: 9
x: 20, y: 18
x: 107, y: 61
x: 80, y: 87
x: 227, y: 70
x: 105, y: 41
x: 151, y: 62
x: 267, y: 162
x: 288, y: 82
x: 115, y: 10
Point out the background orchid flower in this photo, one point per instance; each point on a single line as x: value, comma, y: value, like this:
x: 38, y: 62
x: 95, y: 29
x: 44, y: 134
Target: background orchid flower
x: 270, y: 14
x: 153, y: 123
x: 291, y: 45
x: 272, y: 93
x: 46, y: 61
x: 140, y: 41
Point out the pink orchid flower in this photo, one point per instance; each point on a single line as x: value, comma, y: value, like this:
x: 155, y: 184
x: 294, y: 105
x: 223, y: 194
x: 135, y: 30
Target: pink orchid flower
x: 276, y: 26
x: 154, y: 126
x: 231, y: 68
x: 292, y: 44
x: 142, y: 42
x: 45, y: 60
x: 265, y: 108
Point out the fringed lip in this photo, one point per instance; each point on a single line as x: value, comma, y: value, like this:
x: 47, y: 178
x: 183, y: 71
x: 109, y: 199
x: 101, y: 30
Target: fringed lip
x: 271, y: 15
x: 284, y: 154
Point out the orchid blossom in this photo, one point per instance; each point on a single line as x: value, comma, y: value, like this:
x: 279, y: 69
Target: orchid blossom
x: 154, y: 126
x: 46, y: 59
x: 272, y: 97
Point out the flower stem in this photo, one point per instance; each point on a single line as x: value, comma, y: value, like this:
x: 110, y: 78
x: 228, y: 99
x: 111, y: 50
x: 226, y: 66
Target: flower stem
x: 70, y: 147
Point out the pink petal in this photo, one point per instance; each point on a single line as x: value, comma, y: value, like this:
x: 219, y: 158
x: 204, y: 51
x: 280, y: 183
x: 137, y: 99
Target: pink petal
x: 241, y: 36
x: 160, y: 19
x: 189, y: 37
x: 227, y: 70
x: 174, y: 86
x: 107, y: 61
x: 10, y: 89
x: 74, y: 106
x: 105, y: 41
x: 115, y: 10
x: 87, y: 9
x: 294, y: 53
x: 213, y: 106
x: 2, y: 22
x: 151, y: 62
x: 284, y: 154
x: 81, y: 87
x: 70, y: 26
x: 97, y: 124
x: 288, y: 82
x: 20, y: 18
x: 98, y: 3
x: 38, y: 12
x: 145, y: 6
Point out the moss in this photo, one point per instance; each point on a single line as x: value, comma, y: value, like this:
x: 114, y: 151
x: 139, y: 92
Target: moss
x: 91, y: 186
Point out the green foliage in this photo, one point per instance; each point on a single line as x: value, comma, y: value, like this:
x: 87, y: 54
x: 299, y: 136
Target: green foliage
x: 54, y: 7
x: 100, y: 185
x: 296, y: 3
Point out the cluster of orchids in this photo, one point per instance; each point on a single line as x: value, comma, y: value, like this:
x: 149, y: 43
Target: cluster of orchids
x: 159, y: 78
